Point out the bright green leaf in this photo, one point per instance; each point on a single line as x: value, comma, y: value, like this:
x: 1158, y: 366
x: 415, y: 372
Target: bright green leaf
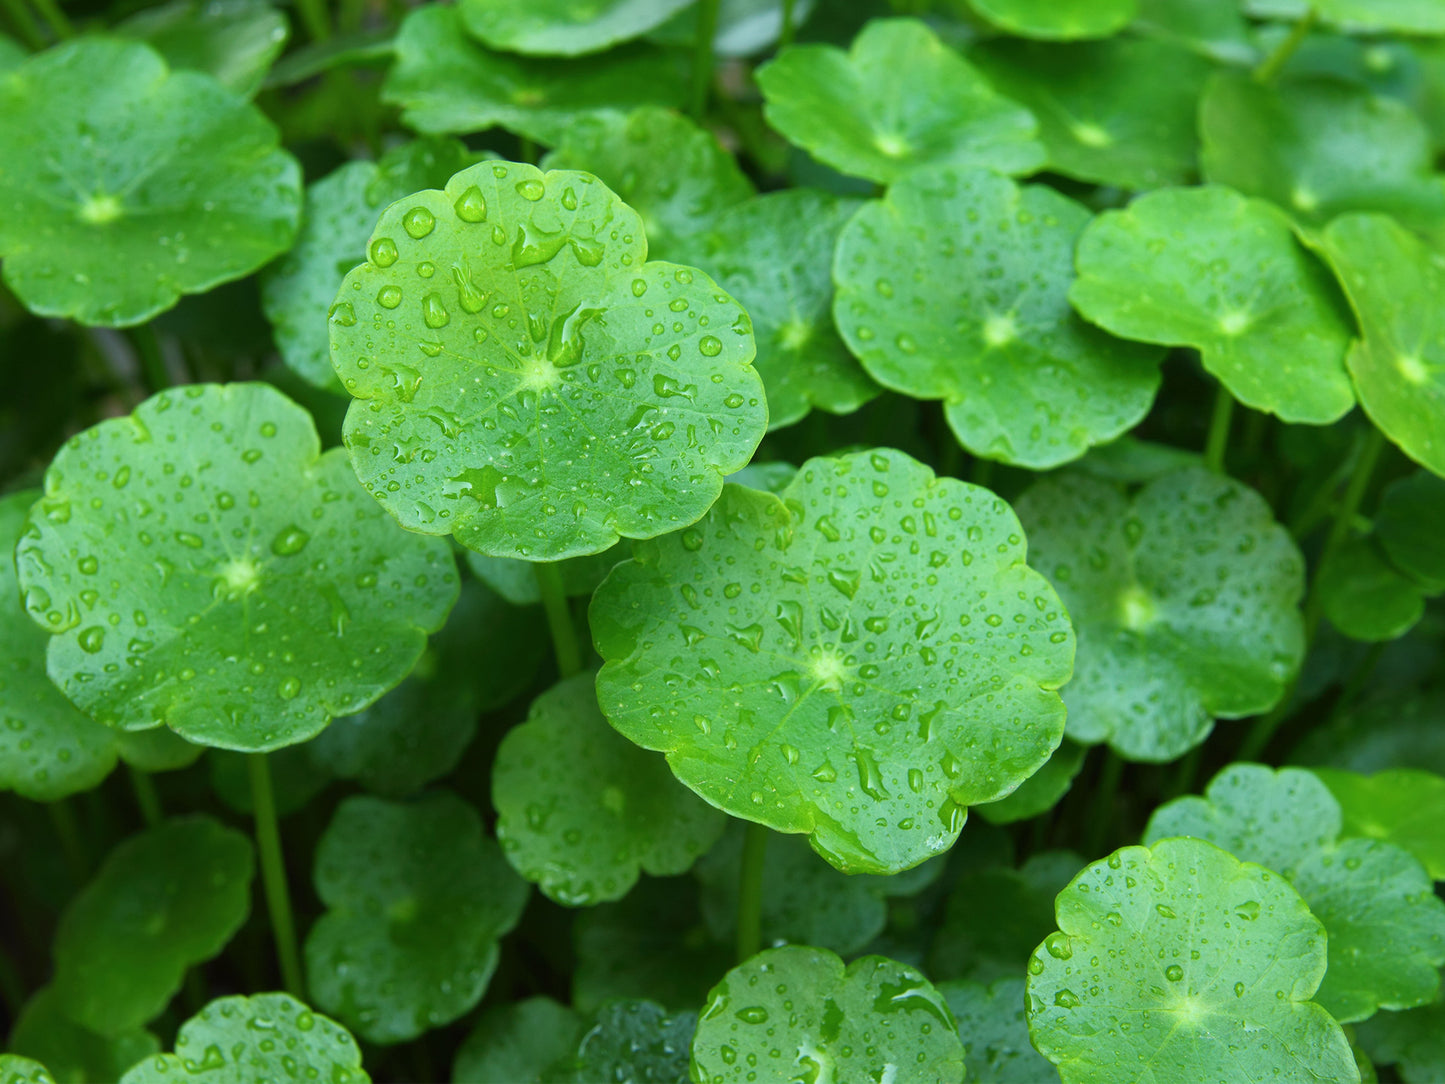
x: 1059, y: 20
x: 775, y: 255
x: 516, y: 1043
x: 1117, y: 112
x: 547, y: 391
x: 1215, y: 30
x: 897, y: 100
x: 1364, y: 596
x: 630, y: 1042
x: 1400, y: 16
x: 859, y: 659
x: 163, y: 901
x: 853, y: 1024
x: 1210, y: 966
x: 235, y: 41
x: 341, y: 210
x: 1185, y: 599
x: 562, y: 27
x: 994, y: 1029
x: 1403, y: 806
x: 75, y: 1054
x: 1397, y: 287
x: 1041, y: 791
x: 1413, y: 1041
x: 986, y: 325
x: 15, y: 1069
x: 1377, y: 903
x: 185, y: 590
x: 448, y: 84
x: 581, y: 811
x: 417, y: 897
x: 516, y: 580
x: 103, y: 221
x: 699, y: 179
x: 1211, y: 269
x: 1410, y: 524
x: 256, y: 1040
x: 1319, y: 148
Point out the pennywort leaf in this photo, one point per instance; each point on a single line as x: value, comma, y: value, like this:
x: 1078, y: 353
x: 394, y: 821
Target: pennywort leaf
x: 1403, y: 806
x: 76, y: 1054
x: 993, y: 1026
x: 1058, y: 19
x: 559, y: 27
x: 235, y: 41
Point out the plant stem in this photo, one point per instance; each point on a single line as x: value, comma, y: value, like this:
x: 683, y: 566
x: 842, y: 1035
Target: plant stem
x: 55, y: 19
x: 67, y: 830
x: 559, y: 619
x: 1101, y: 809
x: 527, y: 148
x: 702, y: 56
x: 1218, y: 439
x: 146, y: 796
x: 152, y: 361
x: 273, y: 874
x: 1273, y: 64
x: 785, y: 34
x: 316, y: 18
x: 25, y: 24
x: 750, y: 892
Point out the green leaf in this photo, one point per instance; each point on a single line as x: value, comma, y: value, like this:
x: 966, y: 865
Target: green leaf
x: 1041, y: 791
x: 630, y: 1042
x: 1132, y: 461
x: 1210, y: 966
x: 341, y: 210
x: 1117, y: 112
x: 517, y: 1043
x: 163, y: 901
x: 1185, y: 599
x: 516, y: 580
x: 1058, y: 20
x: 1409, y: 524
x: 256, y: 1040
x: 1211, y: 269
x: 76, y: 1054
x: 1402, y: 806
x: 996, y: 915
x: 447, y: 84
x: 624, y: 151
x: 1413, y: 1041
x: 801, y: 658
x: 562, y: 27
x: 11, y: 53
x: 1397, y: 730
x: 1386, y: 928
x: 994, y: 1029
x: 1396, y: 285
x: 986, y: 325
x: 295, y: 779
x: 581, y: 811
x: 858, y: 1023
x: 15, y: 1069
x: 744, y: 27
x: 487, y: 654
x: 241, y: 594
x: 417, y: 898
x: 1217, y: 31
x: 105, y: 222
x: 235, y: 41
x: 775, y: 255
x: 1319, y: 148
x: 1364, y: 596
x: 548, y: 391
x: 1399, y: 16
x: 897, y: 100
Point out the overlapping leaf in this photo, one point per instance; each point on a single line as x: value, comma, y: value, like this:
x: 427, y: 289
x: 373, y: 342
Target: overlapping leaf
x: 1412, y: 1041
x: 1364, y: 596
x: 562, y: 27
x: 1403, y: 806
x: 15, y: 1069
x: 516, y: 580
x: 1058, y: 19
x: 994, y: 1029
x: 1041, y: 791
x: 1218, y: 31
x: 516, y: 1043
x: 75, y: 1054
x: 1409, y: 525
x: 235, y: 41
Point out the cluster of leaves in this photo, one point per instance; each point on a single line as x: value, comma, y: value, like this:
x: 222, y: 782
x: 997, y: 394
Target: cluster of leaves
x: 800, y: 485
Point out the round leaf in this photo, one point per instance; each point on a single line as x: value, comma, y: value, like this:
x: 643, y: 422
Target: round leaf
x: 516, y: 580
x: 43, y: 1032
x: 447, y: 84
x: 775, y: 255
x: 858, y: 1023
x: 202, y: 565
x: 124, y: 186
x: 858, y: 659
x: 416, y: 899
x: 955, y: 286
x: 1211, y: 269
x: 562, y: 27
x: 546, y: 391
x: 235, y: 41
x: 897, y: 100
x: 1397, y: 287
x: 630, y: 1041
x: 1414, y: 1041
x: 15, y: 1069
x: 1184, y: 963
x: 1116, y: 112
x: 1217, y: 31
x: 581, y: 810
x: 1409, y: 525
x: 341, y: 209
x: 163, y: 901
x: 624, y: 152
x: 1058, y: 19
x: 1402, y: 806
x: 517, y: 1043
x: 256, y: 1040
x: 1386, y: 928
x: 1185, y: 600
x: 1364, y: 596
x: 995, y: 1032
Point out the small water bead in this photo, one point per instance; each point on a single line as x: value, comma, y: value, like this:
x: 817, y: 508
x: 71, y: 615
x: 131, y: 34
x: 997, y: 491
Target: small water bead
x: 1174, y: 973
x: 710, y: 346
x: 531, y: 189
x: 384, y: 252
x: 434, y: 311
x: 418, y: 222
x: 92, y: 639
x: 389, y: 297
x: 471, y: 205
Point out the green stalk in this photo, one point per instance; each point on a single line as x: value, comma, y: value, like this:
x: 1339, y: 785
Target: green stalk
x: 24, y: 23
x: 315, y: 18
x: 750, y: 892
x: 1101, y: 808
x: 273, y: 875
x: 785, y: 35
x: 702, y: 56
x: 1218, y: 439
x: 146, y: 796
x: 559, y: 618
x: 527, y: 149
x: 55, y: 19
x: 1273, y: 64
x: 152, y: 361
x: 1265, y: 726
x: 67, y: 830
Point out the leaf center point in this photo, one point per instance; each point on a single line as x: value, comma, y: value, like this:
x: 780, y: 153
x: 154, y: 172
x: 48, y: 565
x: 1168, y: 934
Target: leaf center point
x: 100, y: 209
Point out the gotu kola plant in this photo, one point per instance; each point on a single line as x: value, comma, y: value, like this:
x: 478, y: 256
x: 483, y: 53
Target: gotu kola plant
x: 918, y: 439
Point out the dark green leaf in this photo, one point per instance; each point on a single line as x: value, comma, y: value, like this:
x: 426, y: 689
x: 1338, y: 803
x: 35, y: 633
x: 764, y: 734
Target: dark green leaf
x: 236, y: 41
